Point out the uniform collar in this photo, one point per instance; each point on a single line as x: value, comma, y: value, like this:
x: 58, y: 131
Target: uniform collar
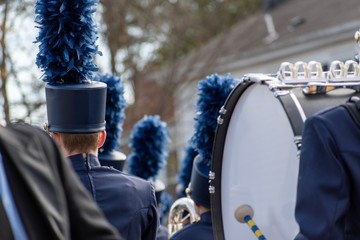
x: 205, y: 217
x: 84, y: 161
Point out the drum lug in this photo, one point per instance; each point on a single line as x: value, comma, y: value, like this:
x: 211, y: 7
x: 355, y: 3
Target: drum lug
x: 278, y: 93
x: 220, y: 120
x: 211, y: 175
x: 297, y: 141
x: 211, y: 189
x: 211, y: 178
x: 222, y: 110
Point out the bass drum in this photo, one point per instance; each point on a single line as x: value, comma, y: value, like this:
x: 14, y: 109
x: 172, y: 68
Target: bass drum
x: 255, y: 156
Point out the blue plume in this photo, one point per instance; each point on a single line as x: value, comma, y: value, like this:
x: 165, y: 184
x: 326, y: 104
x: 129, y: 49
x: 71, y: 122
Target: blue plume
x: 186, y: 167
x: 67, y: 40
x: 149, y: 142
x: 212, y: 94
x: 166, y: 202
x: 115, y: 111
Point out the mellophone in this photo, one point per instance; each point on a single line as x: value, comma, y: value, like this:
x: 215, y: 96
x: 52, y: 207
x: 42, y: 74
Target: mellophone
x: 258, y: 141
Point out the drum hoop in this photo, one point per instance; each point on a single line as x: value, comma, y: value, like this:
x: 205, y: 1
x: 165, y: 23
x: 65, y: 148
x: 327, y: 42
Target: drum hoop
x: 294, y: 111
x: 218, y: 149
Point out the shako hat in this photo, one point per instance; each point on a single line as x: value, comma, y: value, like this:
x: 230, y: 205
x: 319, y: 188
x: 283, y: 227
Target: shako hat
x: 212, y: 94
x: 75, y: 103
x: 109, y: 153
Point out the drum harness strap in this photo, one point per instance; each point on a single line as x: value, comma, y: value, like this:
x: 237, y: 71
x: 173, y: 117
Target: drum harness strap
x: 296, y: 117
x: 353, y: 107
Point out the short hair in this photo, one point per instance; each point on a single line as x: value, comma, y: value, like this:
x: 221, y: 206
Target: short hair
x: 83, y: 142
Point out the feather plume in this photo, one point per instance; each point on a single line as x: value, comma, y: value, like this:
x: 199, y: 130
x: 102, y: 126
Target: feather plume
x: 67, y: 40
x: 186, y: 167
x: 212, y: 94
x: 166, y: 202
x: 115, y: 111
x: 149, y: 142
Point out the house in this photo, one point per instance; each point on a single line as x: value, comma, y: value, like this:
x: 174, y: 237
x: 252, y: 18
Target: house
x: 306, y: 30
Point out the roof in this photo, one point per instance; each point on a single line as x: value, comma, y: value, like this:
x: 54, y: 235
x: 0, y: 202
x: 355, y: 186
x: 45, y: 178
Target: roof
x: 316, y: 22
x: 323, y: 21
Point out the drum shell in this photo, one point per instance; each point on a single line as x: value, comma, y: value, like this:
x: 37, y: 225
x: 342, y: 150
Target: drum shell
x: 255, y: 157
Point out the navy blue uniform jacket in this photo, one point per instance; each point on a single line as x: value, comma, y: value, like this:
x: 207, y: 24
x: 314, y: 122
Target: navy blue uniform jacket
x: 128, y: 202
x: 201, y: 230
x: 51, y: 201
x: 328, y: 194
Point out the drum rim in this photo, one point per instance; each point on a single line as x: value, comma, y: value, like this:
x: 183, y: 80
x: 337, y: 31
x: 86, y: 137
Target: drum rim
x: 218, y: 151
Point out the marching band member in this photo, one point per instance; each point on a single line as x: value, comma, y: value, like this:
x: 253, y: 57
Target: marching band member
x: 40, y: 195
x: 212, y: 93
x: 149, y: 143
x: 199, y: 193
x: 329, y: 182
x: 76, y: 116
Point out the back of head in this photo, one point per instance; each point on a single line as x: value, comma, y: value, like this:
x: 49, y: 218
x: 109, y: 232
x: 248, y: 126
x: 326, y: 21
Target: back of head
x: 80, y: 142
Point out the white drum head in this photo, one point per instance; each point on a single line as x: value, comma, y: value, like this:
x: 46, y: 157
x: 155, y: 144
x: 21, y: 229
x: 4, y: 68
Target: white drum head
x: 259, y: 167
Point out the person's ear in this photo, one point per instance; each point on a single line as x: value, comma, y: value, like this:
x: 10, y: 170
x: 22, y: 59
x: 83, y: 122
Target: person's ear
x: 102, y: 138
x: 56, y: 137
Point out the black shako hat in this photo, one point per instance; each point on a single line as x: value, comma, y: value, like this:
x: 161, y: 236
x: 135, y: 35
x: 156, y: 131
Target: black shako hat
x: 75, y: 103
x: 199, y: 183
x: 76, y: 108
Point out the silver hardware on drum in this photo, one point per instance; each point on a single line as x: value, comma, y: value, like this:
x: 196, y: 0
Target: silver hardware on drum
x: 211, y: 175
x: 211, y: 189
x: 280, y: 93
x: 220, y: 120
x: 298, y: 141
x: 222, y: 110
x: 260, y: 78
x: 313, y: 80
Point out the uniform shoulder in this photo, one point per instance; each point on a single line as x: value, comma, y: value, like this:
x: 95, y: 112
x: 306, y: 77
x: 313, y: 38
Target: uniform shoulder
x: 188, y: 232
x: 328, y: 114
x: 136, y: 182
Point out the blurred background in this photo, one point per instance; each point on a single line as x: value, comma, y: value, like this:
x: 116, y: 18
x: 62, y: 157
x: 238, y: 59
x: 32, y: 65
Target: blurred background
x: 162, y: 48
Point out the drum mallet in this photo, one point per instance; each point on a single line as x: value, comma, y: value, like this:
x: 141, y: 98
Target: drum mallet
x: 244, y: 214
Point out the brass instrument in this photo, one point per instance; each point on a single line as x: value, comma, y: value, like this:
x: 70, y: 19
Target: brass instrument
x: 182, y: 212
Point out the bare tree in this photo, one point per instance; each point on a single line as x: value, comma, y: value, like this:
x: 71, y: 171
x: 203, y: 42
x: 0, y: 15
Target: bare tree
x: 3, y: 68
x: 21, y: 90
